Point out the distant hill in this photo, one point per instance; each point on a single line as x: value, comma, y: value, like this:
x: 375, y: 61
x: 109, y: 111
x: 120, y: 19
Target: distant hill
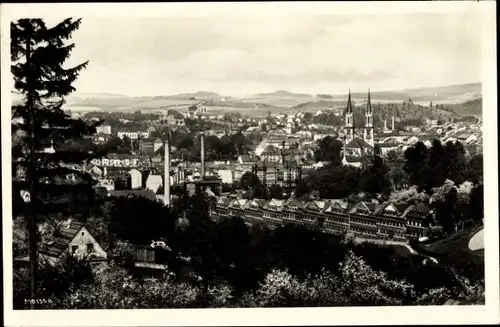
x: 97, y: 96
x: 240, y: 104
x: 450, y: 93
x: 199, y: 94
x: 282, y: 93
x: 318, y: 105
x: 469, y: 108
x: 464, y: 99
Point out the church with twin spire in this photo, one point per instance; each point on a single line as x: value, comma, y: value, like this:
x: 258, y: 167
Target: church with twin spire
x: 355, y: 146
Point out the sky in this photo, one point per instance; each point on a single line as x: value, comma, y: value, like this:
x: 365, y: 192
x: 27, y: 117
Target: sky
x: 250, y: 53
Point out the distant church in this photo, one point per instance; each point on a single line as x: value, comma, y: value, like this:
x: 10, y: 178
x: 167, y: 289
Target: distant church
x: 355, y: 147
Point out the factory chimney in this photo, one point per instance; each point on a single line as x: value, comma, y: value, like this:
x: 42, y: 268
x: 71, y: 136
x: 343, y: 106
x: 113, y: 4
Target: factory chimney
x: 166, y: 172
x: 202, y: 154
x: 392, y: 123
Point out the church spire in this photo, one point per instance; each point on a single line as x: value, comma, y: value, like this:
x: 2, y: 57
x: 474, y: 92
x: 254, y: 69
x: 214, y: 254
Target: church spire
x: 369, y: 103
x: 368, y: 130
x: 349, y: 122
x: 349, y: 104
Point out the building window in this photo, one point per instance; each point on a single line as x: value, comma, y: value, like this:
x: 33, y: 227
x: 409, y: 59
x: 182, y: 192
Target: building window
x: 90, y: 247
x: 74, y: 248
x: 82, y: 233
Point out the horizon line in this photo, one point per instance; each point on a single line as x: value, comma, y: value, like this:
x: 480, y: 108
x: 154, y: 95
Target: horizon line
x: 276, y: 90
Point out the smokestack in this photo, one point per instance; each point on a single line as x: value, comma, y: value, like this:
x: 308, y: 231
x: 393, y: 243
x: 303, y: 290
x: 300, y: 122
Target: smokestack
x: 166, y: 167
x: 202, y: 153
x: 393, y: 123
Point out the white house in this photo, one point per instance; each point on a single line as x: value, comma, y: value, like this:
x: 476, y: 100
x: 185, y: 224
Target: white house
x: 135, y: 178
x: 104, y: 129
x: 226, y: 175
x: 133, y: 135
x: 154, y: 182
x: 73, y: 238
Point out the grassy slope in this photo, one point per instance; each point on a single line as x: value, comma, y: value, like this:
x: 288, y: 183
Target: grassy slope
x: 455, y: 248
x: 469, y: 108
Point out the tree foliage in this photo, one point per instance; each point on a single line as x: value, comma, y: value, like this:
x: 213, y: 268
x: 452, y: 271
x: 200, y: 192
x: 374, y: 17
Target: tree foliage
x: 329, y: 150
x: 38, y: 55
x: 375, y: 178
x: 430, y: 167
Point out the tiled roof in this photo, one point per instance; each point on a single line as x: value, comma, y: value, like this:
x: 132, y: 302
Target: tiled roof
x: 238, y: 203
x: 274, y: 204
x: 259, y: 202
x: 402, y: 207
x: 358, y: 143
x: 372, y: 206
x: 224, y: 201
x: 61, y: 242
x: 293, y: 203
x: 336, y: 203
x: 247, y: 158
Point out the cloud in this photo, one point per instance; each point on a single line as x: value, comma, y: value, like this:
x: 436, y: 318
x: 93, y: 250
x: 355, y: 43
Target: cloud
x: 175, y: 55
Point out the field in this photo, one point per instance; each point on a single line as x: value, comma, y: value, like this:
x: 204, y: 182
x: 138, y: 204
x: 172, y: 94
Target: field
x: 284, y: 102
x: 464, y: 99
x: 219, y: 110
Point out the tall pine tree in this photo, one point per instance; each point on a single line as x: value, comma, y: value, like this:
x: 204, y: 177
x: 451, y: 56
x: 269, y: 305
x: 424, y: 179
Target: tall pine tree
x: 38, y: 54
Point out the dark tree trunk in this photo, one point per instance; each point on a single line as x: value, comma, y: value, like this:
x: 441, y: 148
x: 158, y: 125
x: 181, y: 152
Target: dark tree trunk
x: 33, y: 180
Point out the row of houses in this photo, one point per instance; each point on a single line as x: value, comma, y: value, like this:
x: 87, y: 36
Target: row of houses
x: 387, y: 221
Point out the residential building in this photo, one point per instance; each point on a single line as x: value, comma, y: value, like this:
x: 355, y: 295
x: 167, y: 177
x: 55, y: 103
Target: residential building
x: 101, y: 138
x: 104, y: 129
x: 153, y: 182
x: 73, y: 238
x: 336, y: 217
x: 135, y: 179
x: 146, y: 145
x: 399, y: 222
x: 133, y: 135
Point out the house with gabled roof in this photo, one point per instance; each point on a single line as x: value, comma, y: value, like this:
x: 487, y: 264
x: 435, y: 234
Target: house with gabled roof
x: 246, y: 159
x: 312, y: 212
x: 417, y: 220
x: 272, y: 213
x: 362, y: 221
x: 74, y: 239
x: 391, y: 220
x: 153, y: 182
x: 254, y: 210
x: 337, y: 217
x: 237, y: 207
x: 292, y: 212
x: 358, y: 147
x: 221, y: 208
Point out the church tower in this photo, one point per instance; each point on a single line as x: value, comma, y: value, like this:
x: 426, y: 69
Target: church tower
x: 368, y: 130
x: 349, y: 122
